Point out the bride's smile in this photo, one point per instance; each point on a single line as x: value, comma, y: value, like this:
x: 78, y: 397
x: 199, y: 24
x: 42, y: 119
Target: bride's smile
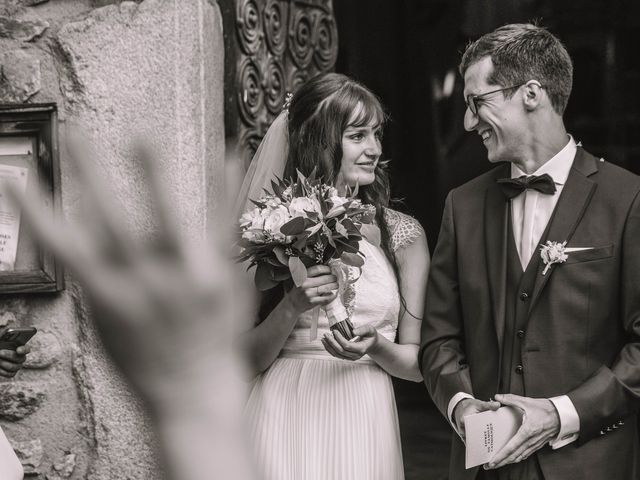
x: 361, y: 150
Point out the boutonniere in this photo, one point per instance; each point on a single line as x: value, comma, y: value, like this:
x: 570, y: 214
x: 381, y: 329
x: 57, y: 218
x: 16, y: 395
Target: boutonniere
x: 552, y: 252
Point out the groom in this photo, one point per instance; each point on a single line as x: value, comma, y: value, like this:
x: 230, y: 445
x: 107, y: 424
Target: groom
x: 557, y: 338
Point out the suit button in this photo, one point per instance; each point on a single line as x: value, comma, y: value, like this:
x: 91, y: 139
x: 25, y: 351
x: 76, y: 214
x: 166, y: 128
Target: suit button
x: 608, y: 429
x: 519, y: 369
x: 524, y: 296
x: 602, y: 432
x: 620, y: 422
x: 520, y: 333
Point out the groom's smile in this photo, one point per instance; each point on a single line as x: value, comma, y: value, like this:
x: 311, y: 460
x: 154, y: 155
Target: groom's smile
x: 499, y: 121
x: 485, y: 134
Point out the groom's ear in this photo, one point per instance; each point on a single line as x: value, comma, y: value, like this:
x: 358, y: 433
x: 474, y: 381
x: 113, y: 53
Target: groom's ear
x: 533, y: 95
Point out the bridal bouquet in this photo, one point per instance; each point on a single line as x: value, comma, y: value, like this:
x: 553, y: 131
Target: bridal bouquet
x: 303, y: 223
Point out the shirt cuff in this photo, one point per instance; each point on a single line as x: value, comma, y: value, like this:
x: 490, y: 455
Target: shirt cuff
x: 457, y: 398
x: 569, y: 422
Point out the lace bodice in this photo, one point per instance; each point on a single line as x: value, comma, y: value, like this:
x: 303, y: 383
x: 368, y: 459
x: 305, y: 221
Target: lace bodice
x: 372, y: 297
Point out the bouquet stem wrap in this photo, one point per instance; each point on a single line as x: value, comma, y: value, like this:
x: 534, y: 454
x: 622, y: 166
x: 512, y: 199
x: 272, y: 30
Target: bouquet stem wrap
x: 336, y: 312
x: 338, y: 319
x: 337, y: 315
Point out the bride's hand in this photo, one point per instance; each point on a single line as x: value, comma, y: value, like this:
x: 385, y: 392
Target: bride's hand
x: 340, y: 347
x: 320, y: 288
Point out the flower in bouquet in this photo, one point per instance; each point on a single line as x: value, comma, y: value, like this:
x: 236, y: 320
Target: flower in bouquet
x: 263, y: 225
x: 304, y: 207
x: 304, y: 222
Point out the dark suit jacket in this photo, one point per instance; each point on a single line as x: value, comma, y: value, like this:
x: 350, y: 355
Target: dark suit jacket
x: 583, y: 329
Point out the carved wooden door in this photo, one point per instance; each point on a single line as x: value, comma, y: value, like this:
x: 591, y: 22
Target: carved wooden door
x: 271, y: 47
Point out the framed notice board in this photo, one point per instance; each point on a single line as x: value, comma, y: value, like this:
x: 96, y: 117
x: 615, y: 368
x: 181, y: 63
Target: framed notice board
x: 29, y: 159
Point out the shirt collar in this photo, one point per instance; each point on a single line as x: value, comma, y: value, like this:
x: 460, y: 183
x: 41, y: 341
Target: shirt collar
x: 558, y: 167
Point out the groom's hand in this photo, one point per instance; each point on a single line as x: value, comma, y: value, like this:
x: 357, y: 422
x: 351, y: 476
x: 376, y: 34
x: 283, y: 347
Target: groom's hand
x: 540, y: 424
x: 470, y: 406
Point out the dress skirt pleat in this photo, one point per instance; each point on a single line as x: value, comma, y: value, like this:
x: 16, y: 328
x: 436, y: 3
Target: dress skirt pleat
x: 313, y: 419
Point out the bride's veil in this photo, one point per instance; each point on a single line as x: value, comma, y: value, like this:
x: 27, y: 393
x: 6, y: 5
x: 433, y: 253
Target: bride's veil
x: 267, y: 163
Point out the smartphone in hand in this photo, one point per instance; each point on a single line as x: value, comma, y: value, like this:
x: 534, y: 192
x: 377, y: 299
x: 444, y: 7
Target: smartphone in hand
x: 13, y: 337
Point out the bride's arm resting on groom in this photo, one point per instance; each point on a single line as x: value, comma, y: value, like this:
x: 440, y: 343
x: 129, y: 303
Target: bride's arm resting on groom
x: 397, y: 359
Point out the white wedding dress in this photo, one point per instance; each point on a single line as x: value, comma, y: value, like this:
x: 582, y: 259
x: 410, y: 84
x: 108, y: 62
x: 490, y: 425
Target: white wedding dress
x: 312, y: 416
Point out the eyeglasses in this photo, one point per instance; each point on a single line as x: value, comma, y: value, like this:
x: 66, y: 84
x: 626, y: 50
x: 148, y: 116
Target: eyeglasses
x: 473, y: 100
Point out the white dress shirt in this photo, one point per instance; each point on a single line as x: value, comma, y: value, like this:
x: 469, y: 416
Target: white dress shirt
x: 531, y: 210
x: 530, y: 214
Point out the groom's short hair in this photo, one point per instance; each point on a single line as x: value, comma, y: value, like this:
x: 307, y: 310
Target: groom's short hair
x: 521, y: 52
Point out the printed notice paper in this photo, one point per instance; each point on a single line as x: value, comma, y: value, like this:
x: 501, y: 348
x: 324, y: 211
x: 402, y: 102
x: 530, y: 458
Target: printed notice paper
x: 10, y: 215
x: 487, y: 432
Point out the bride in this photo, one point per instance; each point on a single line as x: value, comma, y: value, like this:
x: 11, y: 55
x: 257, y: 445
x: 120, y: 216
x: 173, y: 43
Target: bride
x: 324, y: 408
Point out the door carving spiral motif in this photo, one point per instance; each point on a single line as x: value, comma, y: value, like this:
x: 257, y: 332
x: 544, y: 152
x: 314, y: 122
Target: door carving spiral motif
x: 271, y: 47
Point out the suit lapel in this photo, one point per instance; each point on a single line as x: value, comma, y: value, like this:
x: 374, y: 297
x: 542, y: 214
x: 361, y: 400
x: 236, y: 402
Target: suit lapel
x: 496, y: 213
x: 569, y: 210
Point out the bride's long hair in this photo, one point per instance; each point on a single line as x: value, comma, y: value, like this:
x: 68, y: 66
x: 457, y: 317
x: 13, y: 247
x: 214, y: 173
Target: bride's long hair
x: 319, y: 113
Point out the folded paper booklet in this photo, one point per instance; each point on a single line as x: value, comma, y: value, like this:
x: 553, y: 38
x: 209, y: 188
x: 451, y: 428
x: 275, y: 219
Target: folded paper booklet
x: 487, y: 432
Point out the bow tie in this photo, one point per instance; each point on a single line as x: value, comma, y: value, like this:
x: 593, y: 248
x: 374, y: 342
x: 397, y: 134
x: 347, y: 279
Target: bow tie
x: 512, y: 187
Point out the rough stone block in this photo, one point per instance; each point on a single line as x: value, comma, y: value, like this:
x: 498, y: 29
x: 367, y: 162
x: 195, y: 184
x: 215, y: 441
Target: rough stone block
x: 64, y: 468
x: 6, y: 318
x: 45, y: 351
x: 31, y: 3
x: 161, y: 78
x: 30, y: 455
x: 24, y: 29
x: 19, y: 400
x: 20, y: 78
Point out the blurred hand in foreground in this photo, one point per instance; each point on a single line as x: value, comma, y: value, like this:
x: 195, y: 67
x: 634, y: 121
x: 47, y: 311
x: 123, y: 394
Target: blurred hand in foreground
x: 164, y: 310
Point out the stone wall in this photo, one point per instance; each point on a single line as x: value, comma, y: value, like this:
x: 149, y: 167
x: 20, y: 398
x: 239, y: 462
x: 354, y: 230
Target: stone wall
x: 115, y: 68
